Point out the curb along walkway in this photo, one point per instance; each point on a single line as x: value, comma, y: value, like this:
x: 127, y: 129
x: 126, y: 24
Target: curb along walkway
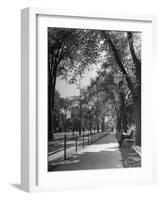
x: 101, y: 155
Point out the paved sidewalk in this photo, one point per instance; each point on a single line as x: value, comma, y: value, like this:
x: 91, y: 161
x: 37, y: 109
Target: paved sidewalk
x: 56, y: 148
x: 101, y: 155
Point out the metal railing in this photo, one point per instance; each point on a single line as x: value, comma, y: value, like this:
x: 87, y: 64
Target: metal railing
x: 64, y: 147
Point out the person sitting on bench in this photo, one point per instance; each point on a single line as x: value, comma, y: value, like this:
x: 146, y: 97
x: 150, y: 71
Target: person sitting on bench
x: 124, y: 135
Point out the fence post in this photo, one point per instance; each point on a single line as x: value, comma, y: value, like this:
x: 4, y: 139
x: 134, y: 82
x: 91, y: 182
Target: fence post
x: 76, y: 143
x: 65, y: 140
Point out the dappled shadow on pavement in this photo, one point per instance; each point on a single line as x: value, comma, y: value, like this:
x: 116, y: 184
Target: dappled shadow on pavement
x: 88, y: 160
x: 102, y: 155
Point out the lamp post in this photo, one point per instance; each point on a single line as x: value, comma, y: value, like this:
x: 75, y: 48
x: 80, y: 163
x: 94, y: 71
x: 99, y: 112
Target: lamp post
x: 80, y: 107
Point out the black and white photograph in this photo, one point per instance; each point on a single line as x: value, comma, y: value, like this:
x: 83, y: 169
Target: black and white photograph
x: 94, y: 99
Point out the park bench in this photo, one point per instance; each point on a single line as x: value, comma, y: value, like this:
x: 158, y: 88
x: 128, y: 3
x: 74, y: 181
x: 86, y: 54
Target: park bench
x: 137, y: 149
x: 126, y: 138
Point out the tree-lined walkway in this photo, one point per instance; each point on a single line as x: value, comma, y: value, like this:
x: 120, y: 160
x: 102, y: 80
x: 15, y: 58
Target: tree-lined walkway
x: 101, y: 155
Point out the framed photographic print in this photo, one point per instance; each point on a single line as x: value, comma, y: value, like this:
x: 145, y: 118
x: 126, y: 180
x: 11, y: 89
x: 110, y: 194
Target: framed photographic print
x: 86, y: 99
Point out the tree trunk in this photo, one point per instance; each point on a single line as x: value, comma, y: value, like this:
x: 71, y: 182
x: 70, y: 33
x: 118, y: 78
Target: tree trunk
x: 123, y: 112
x: 50, y: 134
x: 138, y: 120
x: 80, y: 117
x: 118, y: 124
x: 51, y: 101
x: 97, y: 126
x: 103, y: 124
x: 119, y: 62
x: 90, y: 125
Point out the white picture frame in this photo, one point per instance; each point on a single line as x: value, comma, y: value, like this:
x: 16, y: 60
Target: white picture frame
x: 31, y: 139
